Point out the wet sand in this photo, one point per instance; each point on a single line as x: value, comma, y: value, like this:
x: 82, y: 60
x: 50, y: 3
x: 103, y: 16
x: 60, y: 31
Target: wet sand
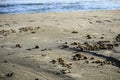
x: 62, y: 46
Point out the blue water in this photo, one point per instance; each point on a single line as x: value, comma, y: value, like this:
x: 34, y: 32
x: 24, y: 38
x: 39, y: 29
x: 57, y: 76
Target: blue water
x: 33, y: 6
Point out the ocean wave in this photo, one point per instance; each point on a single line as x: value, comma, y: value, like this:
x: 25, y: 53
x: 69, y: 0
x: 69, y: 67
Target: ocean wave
x: 28, y: 4
x: 9, y: 8
x: 7, y: 5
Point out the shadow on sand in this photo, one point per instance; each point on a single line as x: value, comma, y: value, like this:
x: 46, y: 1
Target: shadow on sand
x: 115, y: 61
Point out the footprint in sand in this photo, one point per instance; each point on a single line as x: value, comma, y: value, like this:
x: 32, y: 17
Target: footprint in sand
x: 107, y: 21
x: 1, y: 25
x: 14, y: 22
x: 116, y: 19
x: 31, y: 21
x: 99, y: 21
x: 90, y: 22
x: 95, y: 16
x: 7, y: 24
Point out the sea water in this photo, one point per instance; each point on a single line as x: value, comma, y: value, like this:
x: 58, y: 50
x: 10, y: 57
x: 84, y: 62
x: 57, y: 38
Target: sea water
x: 33, y: 6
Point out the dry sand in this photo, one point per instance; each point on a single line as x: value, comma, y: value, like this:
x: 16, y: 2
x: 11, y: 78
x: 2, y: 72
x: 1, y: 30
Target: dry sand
x: 44, y: 41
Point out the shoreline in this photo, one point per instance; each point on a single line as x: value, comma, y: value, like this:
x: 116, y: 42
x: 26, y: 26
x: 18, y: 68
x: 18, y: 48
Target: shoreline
x: 60, y: 45
x: 60, y: 12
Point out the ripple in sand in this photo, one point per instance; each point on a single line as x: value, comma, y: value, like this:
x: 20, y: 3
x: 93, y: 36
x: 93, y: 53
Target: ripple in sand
x: 74, y: 37
x: 108, y: 51
x: 8, y: 48
x: 116, y: 49
x: 75, y: 75
x: 34, y: 38
x: 95, y: 33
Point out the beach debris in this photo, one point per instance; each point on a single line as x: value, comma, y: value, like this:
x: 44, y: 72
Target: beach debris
x: 77, y: 56
x: 13, y: 31
x: 101, y: 37
x: 43, y: 55
x: 64, y: 46
x: 5, y: 61
x: 61, y: 62
x: 64, y: 71
x: 18, y: 46
x: 100, y: 62
x: 85, y: 57
x: 86, y: 61
x: 96, y: 46
x: 118, y: 38
x: 74, y: 43
x: 81, y: 47
x: 23, y: 29
x: 33, y: 32
x: 26, y: 29
x: 97, y: 61
x: 89, y: 37
x: 74, y: 32
x: 92, y: 58
x: 116, y: 44
x: 46, y: 49
x: 10, y: 74
x: 57, y: 72
x: 68, y: 66
x: 6, y: 32
x: 102, y: 42
x: 110, y: 46
x: 66, y: 43
x: 109, y: 62
x: 54, y: 61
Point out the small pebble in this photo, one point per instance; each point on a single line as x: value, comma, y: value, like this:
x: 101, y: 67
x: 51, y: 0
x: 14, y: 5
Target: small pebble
x: 36, y: 46
x: 65, y: 71
x: 33, y: 32
x: 102, y: 38
x: 65, y: 46
x: 18, y: 45
x: 36, y: 78
x: 43, y: 55
x: 74, y: 32
x: 66, y: 43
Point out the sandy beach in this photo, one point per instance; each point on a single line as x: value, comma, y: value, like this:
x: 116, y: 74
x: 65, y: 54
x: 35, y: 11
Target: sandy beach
x: 60, y: 46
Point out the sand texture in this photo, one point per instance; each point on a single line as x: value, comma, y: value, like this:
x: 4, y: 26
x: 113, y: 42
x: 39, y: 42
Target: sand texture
x: 60, y: 46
